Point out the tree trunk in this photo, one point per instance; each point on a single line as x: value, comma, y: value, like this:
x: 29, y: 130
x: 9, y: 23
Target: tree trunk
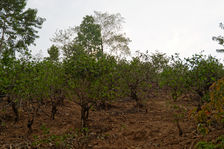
x: 134, y: 96
x: 179, y: 128
x: 84, y: 115
x: 54, y: 108
x: 14, y: 109
x: 29, y: 124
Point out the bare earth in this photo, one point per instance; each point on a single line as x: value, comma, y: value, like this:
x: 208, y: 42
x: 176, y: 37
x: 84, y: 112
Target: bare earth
x: 122, y: 126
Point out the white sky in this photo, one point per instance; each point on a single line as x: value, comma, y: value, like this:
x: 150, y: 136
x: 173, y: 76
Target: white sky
x: 169, y: 26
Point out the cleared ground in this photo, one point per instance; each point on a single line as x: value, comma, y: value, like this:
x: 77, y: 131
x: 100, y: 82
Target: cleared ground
x: 122, y: 126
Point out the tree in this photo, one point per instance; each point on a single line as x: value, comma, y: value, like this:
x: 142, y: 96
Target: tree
x: 64, y: 40
x: 107, y: 86
x: 91, y: 82
x: 220, y: 39
x: 82, y: 74
x: 158, y: 61
x: 100, y: 32
x: 17, y: 26
x: 89, y: 36
x: 134, y: 79
x: 113, y: 39
x: 52, y: 81
x: 203, y: 72
x: 174, y: 77
x: 53, y: 53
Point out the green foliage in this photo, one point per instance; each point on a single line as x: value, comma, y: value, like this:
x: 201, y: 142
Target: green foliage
x: 18, y: 26
x: 82, y: 75
x: 53, y: 53
x: 64, y: 40
x: 15, y: 78
x: 53, y: 78
x: 55, y: 141
x: 89, y: 36
x: 154, y: 64
x: 106, y: 87
x: 44, y: 129
x: 201, y: 128
x: 96, y: 34
x: 217, y: 144
x: 203, y: 71
x: 135, y: 79
x: 159, y: 61
x: 90, y: 79
x: 84, y: 70
x: 18, y: 31
x: 30, y: 82
x: 174, y: 76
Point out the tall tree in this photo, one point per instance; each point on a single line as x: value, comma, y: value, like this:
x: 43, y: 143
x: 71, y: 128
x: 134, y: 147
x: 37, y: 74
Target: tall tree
x: 220, y: 39
x: 18, y: 27
x: 89, y: 35
x: 100, y: 32
x: 113, y: 39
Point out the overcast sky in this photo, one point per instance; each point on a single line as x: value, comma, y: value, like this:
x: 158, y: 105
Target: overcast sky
x: 169, y: 26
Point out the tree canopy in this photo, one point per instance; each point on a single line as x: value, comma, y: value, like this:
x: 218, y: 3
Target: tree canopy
x: 113, y: 39
x: 98, y: 32
x: 89, y: 35
x: 53, y: 52
x: 18, y: 27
